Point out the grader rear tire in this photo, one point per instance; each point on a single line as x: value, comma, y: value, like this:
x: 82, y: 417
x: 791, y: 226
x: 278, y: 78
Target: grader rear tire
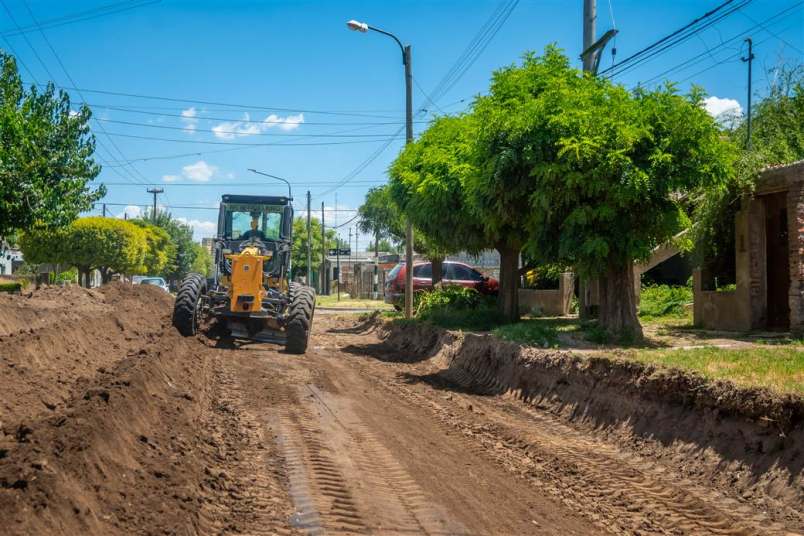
x: 187, y: 307
x: 300, y: 318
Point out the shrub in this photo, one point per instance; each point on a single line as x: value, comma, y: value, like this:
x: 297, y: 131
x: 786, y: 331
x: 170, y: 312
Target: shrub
x: 664, y: 300
x: 451, y: 297
x: 10, y: 286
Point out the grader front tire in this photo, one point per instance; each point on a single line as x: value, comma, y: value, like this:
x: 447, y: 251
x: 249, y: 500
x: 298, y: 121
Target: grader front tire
x: 187, y: 307
x: 300, y: 318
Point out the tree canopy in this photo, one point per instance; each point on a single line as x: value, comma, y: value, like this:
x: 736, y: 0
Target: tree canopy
x: 298, y: 254
x: 45, y: 156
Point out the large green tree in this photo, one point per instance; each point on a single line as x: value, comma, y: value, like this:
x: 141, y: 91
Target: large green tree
x: 185, y: 254
x: 511, y: 141
x: 45, y: 156
x: 427, y: 184
x: 611, y: 169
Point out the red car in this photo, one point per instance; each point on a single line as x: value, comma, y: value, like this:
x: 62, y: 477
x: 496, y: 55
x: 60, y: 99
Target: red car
x: 454, y: 273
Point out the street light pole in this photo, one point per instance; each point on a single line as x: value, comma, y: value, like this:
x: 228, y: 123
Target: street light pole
x: 406, y: 60
x: 290, y: 194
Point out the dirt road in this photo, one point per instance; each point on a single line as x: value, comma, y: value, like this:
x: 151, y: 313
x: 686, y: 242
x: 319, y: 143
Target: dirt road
x: 175, y: 435
x: 374, y: 441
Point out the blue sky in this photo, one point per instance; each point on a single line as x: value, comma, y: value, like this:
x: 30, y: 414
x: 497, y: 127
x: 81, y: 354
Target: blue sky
x: 328, y: 96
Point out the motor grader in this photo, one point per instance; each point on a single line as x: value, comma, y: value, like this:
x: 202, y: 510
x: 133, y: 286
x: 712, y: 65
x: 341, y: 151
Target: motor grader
x: 249, y: 291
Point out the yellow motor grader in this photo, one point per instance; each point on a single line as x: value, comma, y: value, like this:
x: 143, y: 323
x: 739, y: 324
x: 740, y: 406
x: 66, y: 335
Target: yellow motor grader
x: 250, y: 291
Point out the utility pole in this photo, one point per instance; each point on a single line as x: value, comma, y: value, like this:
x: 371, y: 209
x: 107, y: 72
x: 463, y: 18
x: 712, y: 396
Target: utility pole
x: 406, y: 61
x: 155, y: 191
x: 309, y: 244
x: 589, y: 18
x: 104, y: 210
x: 749, y: 60
x: 323, y: 253
x: 351, y: 264
x: 376, y: 290
x: 406, y: 53
x: 589, y: 15
x: 337, y: 249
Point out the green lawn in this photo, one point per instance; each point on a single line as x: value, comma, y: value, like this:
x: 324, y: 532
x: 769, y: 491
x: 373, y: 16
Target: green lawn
x: 348, y: 303
x: 779, y: 368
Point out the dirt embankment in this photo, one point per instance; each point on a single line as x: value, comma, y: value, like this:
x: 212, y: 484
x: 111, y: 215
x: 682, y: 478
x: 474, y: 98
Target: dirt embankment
x: 748, y: 443
x: 108, y: 416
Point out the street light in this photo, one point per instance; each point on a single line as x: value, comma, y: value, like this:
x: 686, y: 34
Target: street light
x: 290, y: 195
x: 363, y: 27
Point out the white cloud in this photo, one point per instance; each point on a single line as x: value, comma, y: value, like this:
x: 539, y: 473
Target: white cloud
x: 720, y: 108
x: 199, y: 172
x: 288, y: 123
x: 190, y: 119
x: 130, y: 212
x: 233, y: 129
x: 201, y: 228
x: 170, y: 178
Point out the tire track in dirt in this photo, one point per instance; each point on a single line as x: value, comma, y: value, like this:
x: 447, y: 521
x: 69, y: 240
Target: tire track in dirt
x: 630, y: 494
x: 241, y: 494
x: 343, y: 479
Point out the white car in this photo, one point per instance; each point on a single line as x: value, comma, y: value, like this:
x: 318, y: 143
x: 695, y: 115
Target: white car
x: 155, y: 281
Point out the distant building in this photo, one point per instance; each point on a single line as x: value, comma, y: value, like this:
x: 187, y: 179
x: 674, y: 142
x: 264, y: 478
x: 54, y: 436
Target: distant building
x: 208, y: 243
x: 10, y: 259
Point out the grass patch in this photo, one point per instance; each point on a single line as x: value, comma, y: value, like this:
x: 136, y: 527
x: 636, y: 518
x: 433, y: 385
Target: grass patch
x: 535, y: 332
x: 350, y: 303
x: 662, y: 301
x: 480, y: 319
x: 10, y: 286
x: 779, y: 368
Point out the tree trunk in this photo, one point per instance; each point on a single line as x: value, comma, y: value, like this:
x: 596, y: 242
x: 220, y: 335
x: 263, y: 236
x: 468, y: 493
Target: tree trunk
x: 106, y: 275
x: 438, y: 270
x: 508, y: 298
x: 618, y: 312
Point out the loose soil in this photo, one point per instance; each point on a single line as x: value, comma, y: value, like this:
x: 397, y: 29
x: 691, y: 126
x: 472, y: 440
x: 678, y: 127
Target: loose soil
x: 114, y: 424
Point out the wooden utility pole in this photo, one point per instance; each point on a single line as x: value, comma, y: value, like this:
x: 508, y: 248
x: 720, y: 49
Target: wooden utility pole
x: 589, y: 17
x: 749, y: 60
x: 309, y: 244
x: 323, y: 253
x: 155, y: 191
x: 585, y: 285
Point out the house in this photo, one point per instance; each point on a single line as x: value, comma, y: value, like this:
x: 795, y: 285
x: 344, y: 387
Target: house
x: 769, y: 260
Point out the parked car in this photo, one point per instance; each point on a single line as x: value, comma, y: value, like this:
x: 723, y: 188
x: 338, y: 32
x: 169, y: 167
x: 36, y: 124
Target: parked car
x: 454, y: 273
x: 155, y: 281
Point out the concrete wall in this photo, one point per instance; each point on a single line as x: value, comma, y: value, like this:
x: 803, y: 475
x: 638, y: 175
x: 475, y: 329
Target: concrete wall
x: 551, y: 302
x: 746, y: 308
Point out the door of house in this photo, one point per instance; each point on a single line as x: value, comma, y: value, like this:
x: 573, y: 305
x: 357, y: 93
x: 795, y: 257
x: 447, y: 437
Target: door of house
x: 778, y: 262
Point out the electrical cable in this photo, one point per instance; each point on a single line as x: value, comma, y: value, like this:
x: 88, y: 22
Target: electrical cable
x: 675, y: 38
x: 80, y: 17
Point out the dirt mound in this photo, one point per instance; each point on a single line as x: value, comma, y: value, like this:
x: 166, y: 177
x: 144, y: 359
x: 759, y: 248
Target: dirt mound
x: 103, y: 412
x: 746, y: 442
x: 55, y: 339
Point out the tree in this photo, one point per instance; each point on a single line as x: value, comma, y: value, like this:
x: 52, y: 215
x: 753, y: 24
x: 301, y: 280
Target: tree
x: 203, y: 261
x: 105, y: 244
x: 181, y: 235
x: 777, y: 138
x: 160, y: 251
x: 45, y: 156
x: 510, y: 143
x: 298, y: 254
x: 611, y: 168
x: 427, y: 184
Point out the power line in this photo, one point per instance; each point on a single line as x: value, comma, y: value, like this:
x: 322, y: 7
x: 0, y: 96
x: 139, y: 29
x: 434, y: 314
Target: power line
x: 243, y: 120
x: 286, y: 144
x: 238, y: 184
x: 702, y: 56
x: 675, y: 38
x: 80, y: 16
x: 230, y: 105
x: 240, y: 133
